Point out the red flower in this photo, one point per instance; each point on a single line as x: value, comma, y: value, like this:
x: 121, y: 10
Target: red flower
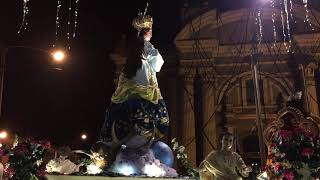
x: 21, y: 148
x: 270, y: 156
x: 9, y: 171
x: 310, y: 135
x: 277, y: 166
x: 273, y: 145
x: 2, y: 152
x: 41, y: 171
x: 286, y: 135
x: 31, y: 140
x: 307, y: 152
x: 299, y: 131
x: 46, y: 144
x: 288, y: 175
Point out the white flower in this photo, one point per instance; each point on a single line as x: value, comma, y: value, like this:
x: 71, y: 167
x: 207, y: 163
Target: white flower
x: 174, y: 140
x: 39, y: 162
x: 178, y: 156
x: 175, y: 146
x: 181, y: 149
x: 185, y: 156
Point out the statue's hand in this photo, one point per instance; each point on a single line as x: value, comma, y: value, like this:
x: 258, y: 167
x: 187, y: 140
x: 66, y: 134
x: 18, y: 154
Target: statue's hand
x: 247, y: 169
x: 199, y: 170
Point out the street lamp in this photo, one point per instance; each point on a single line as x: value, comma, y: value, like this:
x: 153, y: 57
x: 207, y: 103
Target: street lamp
x: 57, y: 56
x: 83, y: 136
x: 3, y: 135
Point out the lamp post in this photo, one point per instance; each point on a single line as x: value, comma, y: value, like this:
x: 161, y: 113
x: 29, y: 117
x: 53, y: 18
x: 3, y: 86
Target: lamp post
x: 257, y: 94
x: 58, y: 56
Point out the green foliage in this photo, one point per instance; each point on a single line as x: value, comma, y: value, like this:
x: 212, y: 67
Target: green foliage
x: 183, y: 158
x: 26, y: 159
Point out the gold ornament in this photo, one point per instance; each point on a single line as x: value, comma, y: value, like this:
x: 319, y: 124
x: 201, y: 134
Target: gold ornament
x: 142, y: 22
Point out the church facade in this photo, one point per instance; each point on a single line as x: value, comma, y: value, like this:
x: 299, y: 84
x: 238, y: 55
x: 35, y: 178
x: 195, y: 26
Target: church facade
x: 207, y: 80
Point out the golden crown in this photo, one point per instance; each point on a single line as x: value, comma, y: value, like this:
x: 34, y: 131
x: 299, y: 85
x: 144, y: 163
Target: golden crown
x: 142, y: 22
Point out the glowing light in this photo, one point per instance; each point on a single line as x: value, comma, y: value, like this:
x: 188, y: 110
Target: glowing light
x: 57, y: 20
x: 286, y: 17
x: 83, y: 136
x: 153, y: 170
x: 291, y: 11
x: 3, y: 135
x: 98, y: 160
x: 307, y: 19
x: 283, y: 26
x: 93, y: 169
x: 68, y: 24
x: 260, y: 26
x: 58, y: 56
x: 125, y: 169
x: 25, y: 13
x: 288, y: 24
x: 273, y: 23
x: 76, y: 18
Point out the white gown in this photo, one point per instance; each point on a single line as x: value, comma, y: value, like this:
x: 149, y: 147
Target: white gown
x: 150, y: 66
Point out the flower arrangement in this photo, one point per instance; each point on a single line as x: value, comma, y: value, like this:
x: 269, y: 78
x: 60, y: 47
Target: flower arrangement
x: 73, y: 162
x: 25, y: 159
x: 95, y: 164
x: 183, y: 158
x: 294, y: 154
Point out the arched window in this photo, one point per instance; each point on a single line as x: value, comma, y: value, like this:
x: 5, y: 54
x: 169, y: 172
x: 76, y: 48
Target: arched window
x: 251, y: 92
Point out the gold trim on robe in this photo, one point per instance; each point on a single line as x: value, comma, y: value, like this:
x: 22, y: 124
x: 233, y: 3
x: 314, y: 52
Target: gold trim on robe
x: 128, y: 88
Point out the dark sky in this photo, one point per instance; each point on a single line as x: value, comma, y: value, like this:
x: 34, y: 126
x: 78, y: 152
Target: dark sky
x: 46, y: 103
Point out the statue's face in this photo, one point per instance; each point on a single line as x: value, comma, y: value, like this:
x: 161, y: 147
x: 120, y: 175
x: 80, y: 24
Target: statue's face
x: 291, y: 119
x: 148, y: 35
x: 227, y: 142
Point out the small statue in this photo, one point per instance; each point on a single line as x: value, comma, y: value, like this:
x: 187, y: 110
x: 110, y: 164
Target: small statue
x: 224, y: 164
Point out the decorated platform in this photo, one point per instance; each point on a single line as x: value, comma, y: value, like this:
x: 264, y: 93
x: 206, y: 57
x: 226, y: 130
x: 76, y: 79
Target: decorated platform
x: 68, y: 177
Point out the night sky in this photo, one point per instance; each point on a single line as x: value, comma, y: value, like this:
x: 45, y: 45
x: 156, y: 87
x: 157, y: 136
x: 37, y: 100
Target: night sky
x: 43, y: 102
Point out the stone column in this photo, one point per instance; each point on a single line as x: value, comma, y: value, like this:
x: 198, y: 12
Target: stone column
x: 209, y: 114
x: 188, y: 121
x: 311, y: 89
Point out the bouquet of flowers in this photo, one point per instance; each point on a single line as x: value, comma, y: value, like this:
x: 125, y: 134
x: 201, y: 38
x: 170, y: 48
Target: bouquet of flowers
x: 25, y: 159
x: 183, y: 158
x: 294, y: 154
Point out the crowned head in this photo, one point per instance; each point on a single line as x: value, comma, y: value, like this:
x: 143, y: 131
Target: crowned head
x: 143, y: 24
